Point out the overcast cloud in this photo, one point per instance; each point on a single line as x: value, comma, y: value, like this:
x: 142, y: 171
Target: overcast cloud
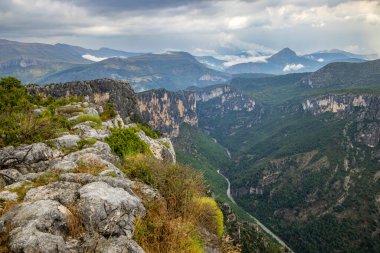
x: 201, y: 27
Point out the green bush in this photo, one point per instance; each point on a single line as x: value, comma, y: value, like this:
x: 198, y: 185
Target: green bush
x: 88, y: 117
x: 124, y: 142
x: 13, y: 95
x: 108, y: 113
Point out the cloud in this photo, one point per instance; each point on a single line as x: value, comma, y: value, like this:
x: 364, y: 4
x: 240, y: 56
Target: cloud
x: 93, y: 58
x: 234, y: 25
x: 237, y: 60
x: 292, y: 67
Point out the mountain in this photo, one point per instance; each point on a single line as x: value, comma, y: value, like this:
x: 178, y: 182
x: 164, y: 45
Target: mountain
x: 211, y: 62
x: 32, y: 61
x: 345, y: 74
x: 174, y: 70
x: 287, y: 61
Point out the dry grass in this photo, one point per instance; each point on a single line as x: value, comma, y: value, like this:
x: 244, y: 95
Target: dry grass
x: 93, y: 169
x: 172, y: 223
x: 4, y: 240
x: 75, y: 223
x: 159, y: 231
x: 209, y: 215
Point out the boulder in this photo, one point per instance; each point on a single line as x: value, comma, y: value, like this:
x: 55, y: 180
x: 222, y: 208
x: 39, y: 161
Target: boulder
x: 10, y: 176
x: 121, y: 244
x: 67, y: 141
x: 27, y: 158
x: 86, y: 131
x: 65, y: 193
x: 38, y: 226
x: 162, y: 149
x: 109, y: 211
x: 8, y: 196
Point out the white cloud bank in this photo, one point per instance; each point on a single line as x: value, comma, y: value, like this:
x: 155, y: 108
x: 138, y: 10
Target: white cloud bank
x: 292, y: 67
x: 93, y: 57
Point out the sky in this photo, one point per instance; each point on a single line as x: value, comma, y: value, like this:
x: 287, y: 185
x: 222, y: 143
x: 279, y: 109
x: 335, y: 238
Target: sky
x: 202, y: 27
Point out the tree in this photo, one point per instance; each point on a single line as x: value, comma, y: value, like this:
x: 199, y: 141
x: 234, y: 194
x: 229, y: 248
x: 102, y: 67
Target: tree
x: 13, y: 95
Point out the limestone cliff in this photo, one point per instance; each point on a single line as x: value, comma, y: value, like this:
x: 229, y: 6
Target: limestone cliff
x: 224, y: 98
x: 166, y: 111
x: 363, y: 109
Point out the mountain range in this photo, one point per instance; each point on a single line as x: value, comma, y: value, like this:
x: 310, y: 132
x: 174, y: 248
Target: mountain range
x: 43, y: 63
x: 287, y: 61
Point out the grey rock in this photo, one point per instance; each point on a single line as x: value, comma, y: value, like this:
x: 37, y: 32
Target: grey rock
x: 103, y: 154
x: 109, y: 211
x: 116, y: 122
x: 17, y: 185
x: 36, y: 226
x: 26, y: 158
x: 121, y: 244
x: 65, y: 193
x: 159, y: 150
x: 67, y: 141
x: 10, y: 176
x: 63, y: 165
x: 91, y: 110
x: 8, y: 196
x: 84, y: 178
x: 86, y: 131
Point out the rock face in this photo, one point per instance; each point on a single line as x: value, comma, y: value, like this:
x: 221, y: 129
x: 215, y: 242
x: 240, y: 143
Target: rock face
x: 363, y: 109
x: 99, y: 91
x: 166, y: 111
x: 222, y: 99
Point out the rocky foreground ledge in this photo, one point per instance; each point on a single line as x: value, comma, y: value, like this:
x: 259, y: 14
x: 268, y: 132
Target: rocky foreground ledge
x: 68, y: 194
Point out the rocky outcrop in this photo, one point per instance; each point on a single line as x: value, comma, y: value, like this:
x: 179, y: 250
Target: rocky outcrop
x: 100, y: 91
x: 74, y: 197
x: 166, y: 110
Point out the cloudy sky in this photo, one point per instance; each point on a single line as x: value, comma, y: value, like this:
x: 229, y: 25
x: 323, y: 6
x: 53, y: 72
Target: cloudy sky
x: 202, y: 27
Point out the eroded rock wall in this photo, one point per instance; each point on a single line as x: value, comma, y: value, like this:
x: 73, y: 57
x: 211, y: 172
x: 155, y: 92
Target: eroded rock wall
x: 166, y: 111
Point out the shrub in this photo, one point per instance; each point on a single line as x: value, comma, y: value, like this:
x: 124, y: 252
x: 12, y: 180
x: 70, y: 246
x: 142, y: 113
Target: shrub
x: 124, y: 142
x: 88, y: 117
x: 210, y: 216
x: 108, y: 113
x: 177, y: 183
x: 154, y: 134
x: 171, y: 223
x: 25, y: 127
x: 13, y: 95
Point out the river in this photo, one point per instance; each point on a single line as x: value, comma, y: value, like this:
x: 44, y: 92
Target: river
x: 267, y: 230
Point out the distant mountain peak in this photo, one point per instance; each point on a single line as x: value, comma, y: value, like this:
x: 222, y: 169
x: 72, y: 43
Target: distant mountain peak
x: 286, y: 52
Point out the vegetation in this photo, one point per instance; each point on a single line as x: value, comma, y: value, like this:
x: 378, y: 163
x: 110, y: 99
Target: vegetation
x: 88, y: 117
x: 124, y: 142
x: 302, y: 158
x: 172, y: 222
x: 210, y: 215
x: 19, y: 123
x: 108, y: 112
